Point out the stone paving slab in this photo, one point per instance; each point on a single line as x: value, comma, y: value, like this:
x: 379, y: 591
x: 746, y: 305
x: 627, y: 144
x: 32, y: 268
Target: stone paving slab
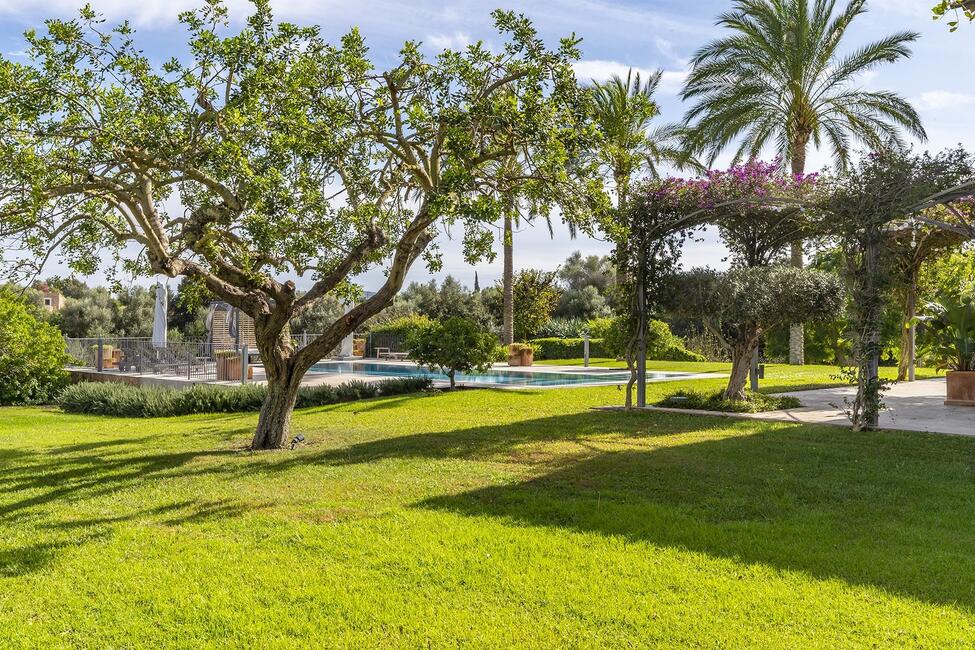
x: 911, y: 406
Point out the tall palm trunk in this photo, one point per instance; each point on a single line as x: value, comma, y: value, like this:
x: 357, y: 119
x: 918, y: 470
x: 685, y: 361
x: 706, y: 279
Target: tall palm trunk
x: 508, y: 281
x: 797, y: 335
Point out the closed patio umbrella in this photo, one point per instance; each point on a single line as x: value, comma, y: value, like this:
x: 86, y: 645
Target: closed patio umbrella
x: 159, y: 320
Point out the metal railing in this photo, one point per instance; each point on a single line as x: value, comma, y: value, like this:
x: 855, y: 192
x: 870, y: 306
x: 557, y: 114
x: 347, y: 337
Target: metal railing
x: 192, y: 360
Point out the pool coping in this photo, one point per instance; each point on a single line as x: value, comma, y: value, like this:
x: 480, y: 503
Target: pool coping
x: 514, y: 370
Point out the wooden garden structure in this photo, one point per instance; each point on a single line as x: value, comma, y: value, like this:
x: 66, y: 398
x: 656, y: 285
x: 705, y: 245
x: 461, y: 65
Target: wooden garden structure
x: 860, y: 208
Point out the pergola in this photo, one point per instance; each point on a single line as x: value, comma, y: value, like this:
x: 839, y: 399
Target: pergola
x: 910, y: 218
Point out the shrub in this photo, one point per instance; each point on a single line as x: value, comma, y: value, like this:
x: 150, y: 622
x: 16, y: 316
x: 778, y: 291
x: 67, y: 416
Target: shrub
x: 553, y: 348
x: 500, y: 354
x: 110, y: 398
x: 752, y: 402
x: 563, y: 328
x: 600, y: 328
x: 455, y: 345
x: 32, y: 354
x: 404, y: 325
x: 662, y: 345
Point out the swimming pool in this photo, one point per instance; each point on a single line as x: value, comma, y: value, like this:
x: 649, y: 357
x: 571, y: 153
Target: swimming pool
x: 491, y: 377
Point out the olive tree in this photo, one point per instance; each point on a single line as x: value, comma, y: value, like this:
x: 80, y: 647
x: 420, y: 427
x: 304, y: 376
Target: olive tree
x: 740, y: 305
x: 267, y: 154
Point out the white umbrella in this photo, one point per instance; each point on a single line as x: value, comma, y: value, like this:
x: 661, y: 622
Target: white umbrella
x: 159, y: 319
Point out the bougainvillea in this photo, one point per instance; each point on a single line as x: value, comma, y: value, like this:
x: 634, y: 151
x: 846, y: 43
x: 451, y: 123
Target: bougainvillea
x: 757, y: 207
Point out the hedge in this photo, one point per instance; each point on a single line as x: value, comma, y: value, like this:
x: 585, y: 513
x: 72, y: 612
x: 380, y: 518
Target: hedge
x: 109, y: 398
x: 553, y: 348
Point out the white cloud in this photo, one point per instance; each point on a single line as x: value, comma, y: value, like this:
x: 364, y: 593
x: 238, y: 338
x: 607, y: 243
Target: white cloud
x: 599, y: 70
x: 942, y: 99
x: 17, y: 53
x: 455, y: 41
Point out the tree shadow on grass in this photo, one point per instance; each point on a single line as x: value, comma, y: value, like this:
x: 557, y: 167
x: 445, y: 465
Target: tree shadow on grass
x: 84, y: 476
x: 890, y: 510
x: 73, y: 533
x: 507, y: 441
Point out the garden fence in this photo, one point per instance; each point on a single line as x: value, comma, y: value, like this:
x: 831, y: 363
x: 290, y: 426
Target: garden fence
x: 193, y: 360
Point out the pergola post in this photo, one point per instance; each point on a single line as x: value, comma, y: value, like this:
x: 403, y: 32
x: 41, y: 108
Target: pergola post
x: 641, y: 346
x: 641, y: 325
x: 872, y: 414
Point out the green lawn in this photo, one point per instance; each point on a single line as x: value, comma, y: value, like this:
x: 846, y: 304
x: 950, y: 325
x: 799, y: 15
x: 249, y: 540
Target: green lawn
x: 487, y: 519
x: 779, y: 377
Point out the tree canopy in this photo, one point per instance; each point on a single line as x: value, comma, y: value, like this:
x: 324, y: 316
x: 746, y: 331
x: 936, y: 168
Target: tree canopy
x: 781, y: 79
x: 740, y: 305
x: 269, y: 153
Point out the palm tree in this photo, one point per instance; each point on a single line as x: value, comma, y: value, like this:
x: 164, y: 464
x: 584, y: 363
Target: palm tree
x: 624, y: 109
x: 779, y: 80
x: 511, y: 171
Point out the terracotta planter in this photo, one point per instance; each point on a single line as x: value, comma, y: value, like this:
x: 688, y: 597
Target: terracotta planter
x: 961, y: 388
x: 520, y: 356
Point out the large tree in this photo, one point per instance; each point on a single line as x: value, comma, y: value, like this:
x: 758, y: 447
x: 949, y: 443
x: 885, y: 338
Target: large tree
x: 740, y: 305
x: 268, y: 153
x: 779, y: 80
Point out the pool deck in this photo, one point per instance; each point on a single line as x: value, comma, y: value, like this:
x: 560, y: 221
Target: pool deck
x: 333, y: 379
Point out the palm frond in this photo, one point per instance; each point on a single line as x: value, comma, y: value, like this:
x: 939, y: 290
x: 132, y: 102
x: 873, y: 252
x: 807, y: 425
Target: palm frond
x: 778, y: 78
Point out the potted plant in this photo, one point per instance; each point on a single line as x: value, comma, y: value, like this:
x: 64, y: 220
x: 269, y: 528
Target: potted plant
x: 950, y: 330
x: 521, y: 354
x: 228, y: 365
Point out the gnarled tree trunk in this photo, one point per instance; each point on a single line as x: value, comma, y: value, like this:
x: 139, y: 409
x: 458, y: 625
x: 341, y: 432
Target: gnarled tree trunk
x: 283, y: 381
x: 741, y: 362
x: 274, y: 425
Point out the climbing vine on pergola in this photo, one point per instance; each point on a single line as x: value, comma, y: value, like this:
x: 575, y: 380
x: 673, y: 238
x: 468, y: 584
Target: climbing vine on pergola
x: 860, y: 209
x: 756, y: 202
x: 885, y: 192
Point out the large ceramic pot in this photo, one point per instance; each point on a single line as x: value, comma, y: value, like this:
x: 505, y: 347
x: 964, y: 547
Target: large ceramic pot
x: 961, y: 388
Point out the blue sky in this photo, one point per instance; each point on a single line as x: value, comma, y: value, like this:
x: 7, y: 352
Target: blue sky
x: 660, y: 34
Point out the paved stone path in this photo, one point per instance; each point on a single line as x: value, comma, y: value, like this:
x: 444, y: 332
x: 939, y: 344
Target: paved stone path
x: 911, y: 406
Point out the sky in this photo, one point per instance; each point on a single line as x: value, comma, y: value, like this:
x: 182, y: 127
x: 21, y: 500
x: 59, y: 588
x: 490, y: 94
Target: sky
x: 654, y: 34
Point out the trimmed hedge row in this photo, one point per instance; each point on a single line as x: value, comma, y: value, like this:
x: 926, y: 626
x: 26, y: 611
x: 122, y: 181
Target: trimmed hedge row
x: 553, y: 348
x: 105, y: 398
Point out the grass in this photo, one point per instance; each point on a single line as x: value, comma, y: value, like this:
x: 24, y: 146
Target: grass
x: 715, y: 401
x: 483, y: 519
x: 779, y: 377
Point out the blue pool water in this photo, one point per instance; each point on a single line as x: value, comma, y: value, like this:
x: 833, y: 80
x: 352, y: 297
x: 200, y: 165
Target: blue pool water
x: 493, y: 377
